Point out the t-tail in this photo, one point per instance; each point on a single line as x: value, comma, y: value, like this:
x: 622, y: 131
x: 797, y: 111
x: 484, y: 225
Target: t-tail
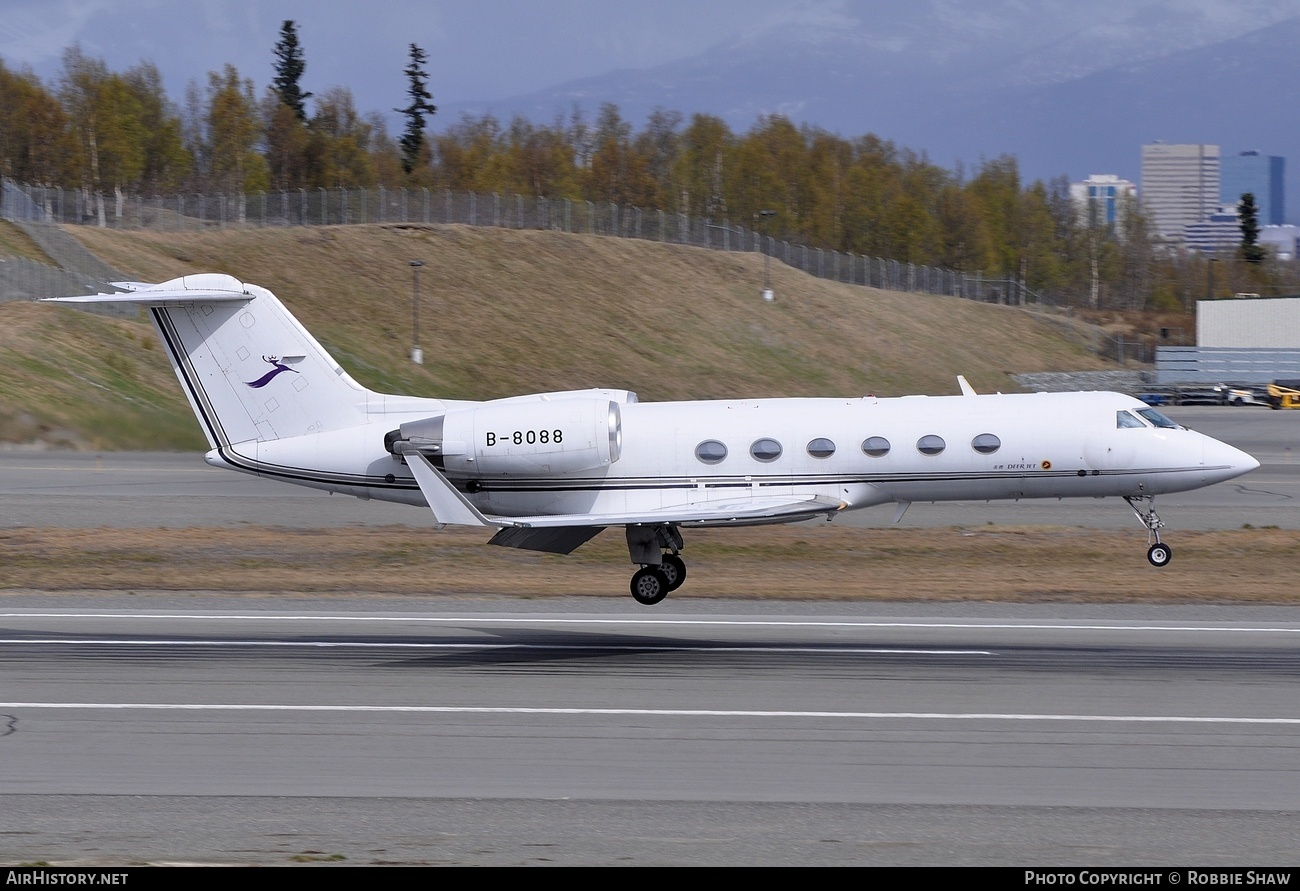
x: 253, y: 374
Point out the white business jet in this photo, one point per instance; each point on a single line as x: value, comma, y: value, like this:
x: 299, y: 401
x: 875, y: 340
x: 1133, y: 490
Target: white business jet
x: 549, y: 471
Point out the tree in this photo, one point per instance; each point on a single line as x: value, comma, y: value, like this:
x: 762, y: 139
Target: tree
x: 412, y: 141
x: 1248, y: 211
x: 289, y: 68
x: 233, y: 129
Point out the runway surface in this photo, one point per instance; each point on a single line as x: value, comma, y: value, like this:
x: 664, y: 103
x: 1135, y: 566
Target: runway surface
x: 579, y: 732
x: 781, y: 734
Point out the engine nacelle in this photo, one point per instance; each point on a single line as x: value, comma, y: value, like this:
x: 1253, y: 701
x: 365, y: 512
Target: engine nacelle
x: 521, y: 437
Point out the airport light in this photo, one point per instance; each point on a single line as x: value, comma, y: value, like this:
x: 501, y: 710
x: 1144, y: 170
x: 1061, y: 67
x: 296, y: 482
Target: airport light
x: 767, y: 254
x: 417, y: 354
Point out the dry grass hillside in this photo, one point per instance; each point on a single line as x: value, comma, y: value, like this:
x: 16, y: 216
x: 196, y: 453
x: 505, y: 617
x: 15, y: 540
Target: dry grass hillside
x: 506, y: 312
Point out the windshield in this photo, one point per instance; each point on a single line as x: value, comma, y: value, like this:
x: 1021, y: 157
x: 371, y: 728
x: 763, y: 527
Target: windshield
x: 1157, y: 419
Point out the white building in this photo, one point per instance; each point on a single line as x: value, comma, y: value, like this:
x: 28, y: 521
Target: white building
x: 1100, y: 198
x: 1281, y: 240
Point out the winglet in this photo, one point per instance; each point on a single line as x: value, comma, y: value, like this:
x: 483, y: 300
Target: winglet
x: 448, y: 505
x: 966, y: 388
x: 902, y: 509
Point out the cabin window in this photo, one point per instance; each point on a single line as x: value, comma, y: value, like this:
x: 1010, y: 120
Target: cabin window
x: 765, y: 449
x: 711, y: 451
x: 986, y: 443
x: 930, y: 444
x: 1124, y: 419
x: 1156, y: 418
x: 821, y: 447
x: 876, y: 446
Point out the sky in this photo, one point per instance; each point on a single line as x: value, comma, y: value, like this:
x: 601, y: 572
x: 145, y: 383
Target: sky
x: 477, y: 50
x: 487, y: 50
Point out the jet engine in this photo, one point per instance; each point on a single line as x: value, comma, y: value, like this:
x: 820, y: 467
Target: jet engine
x: 518, y: 437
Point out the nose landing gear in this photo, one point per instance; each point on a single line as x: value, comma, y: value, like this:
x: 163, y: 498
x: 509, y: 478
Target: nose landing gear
x: 1158, y: 553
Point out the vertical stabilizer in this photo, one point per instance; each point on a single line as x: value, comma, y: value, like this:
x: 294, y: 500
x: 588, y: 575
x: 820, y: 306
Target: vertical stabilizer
x: 250, y: 370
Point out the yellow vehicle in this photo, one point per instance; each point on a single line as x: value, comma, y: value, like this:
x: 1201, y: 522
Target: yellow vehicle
x: 1284, y: 394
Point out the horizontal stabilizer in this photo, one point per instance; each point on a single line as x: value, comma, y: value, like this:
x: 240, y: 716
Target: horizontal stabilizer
x: 157, y: 298
x: 205, y: 287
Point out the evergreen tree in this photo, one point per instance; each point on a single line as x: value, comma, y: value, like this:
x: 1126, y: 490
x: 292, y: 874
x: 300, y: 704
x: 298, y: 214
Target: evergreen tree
x: 289, y: 67
x: 412, y: 141
x: 1248, y: 211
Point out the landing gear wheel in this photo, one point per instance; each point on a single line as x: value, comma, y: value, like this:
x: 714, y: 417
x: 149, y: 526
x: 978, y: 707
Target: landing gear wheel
x: 649, y: 586
x: 674, y: 570
x: 1159, y: 554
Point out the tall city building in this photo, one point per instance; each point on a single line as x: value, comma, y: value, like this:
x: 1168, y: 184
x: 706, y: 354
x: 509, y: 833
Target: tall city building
x: 1263, y: 176
x: 1100, y: 199
x: 1180, y: 186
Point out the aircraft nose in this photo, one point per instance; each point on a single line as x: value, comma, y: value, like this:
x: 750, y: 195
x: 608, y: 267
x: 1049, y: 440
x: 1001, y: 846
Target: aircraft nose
x: 1225, y: 462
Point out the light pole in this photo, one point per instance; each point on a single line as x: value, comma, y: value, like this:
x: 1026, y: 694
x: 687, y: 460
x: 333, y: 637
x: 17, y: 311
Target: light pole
x: 767, y: 254
x: 417, y: 354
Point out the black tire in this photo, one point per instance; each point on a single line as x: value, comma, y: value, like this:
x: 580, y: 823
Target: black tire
x: 1160, y: 554
x: 649, y: 586
x: 674, y: 569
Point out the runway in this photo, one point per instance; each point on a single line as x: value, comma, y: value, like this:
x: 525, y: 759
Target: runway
x: 571, y: 731
x: 718, y: 735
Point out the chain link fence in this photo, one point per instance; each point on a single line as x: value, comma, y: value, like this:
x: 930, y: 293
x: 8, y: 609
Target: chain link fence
x: 334, y: 207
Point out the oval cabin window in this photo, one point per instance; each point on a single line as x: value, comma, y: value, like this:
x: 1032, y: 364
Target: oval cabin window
x: 766, y: 450
x: 875, y: 446
x: 821, y: 448
x: 930, y: 444
x: 711, y: 451
x: 986, y: 443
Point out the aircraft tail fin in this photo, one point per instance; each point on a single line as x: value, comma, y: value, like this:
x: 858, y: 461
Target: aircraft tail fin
x: 250, y: 370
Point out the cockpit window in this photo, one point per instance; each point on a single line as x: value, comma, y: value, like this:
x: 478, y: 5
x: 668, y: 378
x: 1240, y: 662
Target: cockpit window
x: 1124, y: 419
x: 1156, y: 418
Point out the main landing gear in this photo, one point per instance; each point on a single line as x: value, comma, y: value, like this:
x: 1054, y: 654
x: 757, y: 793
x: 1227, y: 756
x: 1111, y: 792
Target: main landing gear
x: 1158, y: 553
x: 662, y: 570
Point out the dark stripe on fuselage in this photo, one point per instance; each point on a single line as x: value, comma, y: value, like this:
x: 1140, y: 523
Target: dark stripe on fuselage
x: 209, y: 418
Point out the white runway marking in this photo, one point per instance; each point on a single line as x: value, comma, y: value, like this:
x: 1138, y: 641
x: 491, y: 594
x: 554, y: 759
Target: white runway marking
x: 651, y: 622
x: 646, y: 712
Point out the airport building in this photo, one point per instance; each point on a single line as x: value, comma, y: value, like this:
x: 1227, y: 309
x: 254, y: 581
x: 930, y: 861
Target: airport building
x: 1100, y: 198
x: 1180, y: 186
x: 1263, y: 176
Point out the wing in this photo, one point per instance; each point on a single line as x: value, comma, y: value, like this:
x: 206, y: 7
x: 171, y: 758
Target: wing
x: 561, y: 533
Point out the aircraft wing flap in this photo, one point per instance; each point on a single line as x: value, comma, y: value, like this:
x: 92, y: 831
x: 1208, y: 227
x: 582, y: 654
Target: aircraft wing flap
x: 740, y: 512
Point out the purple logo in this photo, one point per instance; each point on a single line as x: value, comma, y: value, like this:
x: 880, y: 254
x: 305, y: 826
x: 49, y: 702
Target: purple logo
x: 277, y: 367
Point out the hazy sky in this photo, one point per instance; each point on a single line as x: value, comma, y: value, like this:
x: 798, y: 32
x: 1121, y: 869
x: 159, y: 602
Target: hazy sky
x: 492, y: 49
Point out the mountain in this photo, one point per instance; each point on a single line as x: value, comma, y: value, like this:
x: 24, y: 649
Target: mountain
x: 962, y: 88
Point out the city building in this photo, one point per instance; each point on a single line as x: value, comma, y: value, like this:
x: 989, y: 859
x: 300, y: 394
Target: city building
x: 1180, y: 186
x: 1100, y: 198
x: 1219, y: 235
x: 1263, y: 176
x: 1281, y: 240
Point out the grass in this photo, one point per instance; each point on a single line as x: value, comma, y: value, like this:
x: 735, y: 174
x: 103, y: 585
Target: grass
x: 506, y: 312
x: 15, y: 243
x: 825, y: 562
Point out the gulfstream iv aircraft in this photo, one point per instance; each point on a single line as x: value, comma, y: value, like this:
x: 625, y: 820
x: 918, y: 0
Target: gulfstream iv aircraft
x: 549, y: 471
